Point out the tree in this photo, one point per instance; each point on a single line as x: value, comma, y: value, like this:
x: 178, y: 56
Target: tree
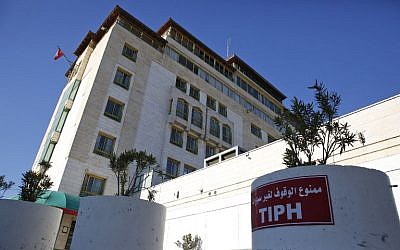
x: 306, y: 127
x: 35, y: 183
x: 4, y: 185
x: 126, y: 185
x: 189, y: 243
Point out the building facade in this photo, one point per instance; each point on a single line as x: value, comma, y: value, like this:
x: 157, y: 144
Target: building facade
x: 164, y: 92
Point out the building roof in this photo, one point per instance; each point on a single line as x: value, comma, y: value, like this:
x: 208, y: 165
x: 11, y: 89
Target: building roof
x: 118, y: 12
x: 172, y: 23
x: 84, y: 43
x: 109, y: 21
x: 256, y: 77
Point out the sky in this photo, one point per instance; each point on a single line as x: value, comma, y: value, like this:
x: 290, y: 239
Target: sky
x: 351, y: 46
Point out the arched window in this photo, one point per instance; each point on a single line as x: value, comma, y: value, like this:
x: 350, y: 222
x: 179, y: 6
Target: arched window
x: 197, y: 117
x: 226, y: 134
x: 214, y: 127
x: 182, y: 108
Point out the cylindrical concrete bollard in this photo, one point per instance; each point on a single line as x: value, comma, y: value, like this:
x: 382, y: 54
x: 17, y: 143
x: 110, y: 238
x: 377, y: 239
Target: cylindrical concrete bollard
x: 324, y: 208
x: 27, y: 225
x: 118, y: 222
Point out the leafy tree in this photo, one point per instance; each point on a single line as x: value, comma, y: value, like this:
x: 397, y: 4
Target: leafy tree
x: 4, y: 185
x: 189, y: 243
x: 308, y: 126
x: 35, y: 183
x: 126, y: 178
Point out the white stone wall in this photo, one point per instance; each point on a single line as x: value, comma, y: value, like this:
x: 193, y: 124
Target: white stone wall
x: 154, y: 112
x: 28, y: 225
x: 238, y: 127
x: 214, y: 202
x: 110, y: 222
x: 74, y: 132
x: 363, y: 213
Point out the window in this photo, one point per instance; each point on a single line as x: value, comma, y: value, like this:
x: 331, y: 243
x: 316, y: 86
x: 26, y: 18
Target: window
x: 181, y: 84
x: 226, y: 134
x: 222, y: 109
x: 172, y: 168
x: 189, y: 65
x: 209, y: 60
x: 92, y: 185
x: 61, y: 121
x: 214, y: 127
x: 195, y: 93
x: 210, y: 150
x: 241, y: 83
x: 211, y: 103
x: 197, y: 52
x: 182, y: 109
x: 176, y: 137
x: 172, y: 53
x: 122, y: 78
x: 182, y: 60
x: 104, y: 145
x: 191, y: 144
x: 197, y: 117
x: 114, y: 109
x: 218, y: 85
x: 129, y: 52
x: 170, y: 106
x: 252, y: 91
x: 255, y: 130
x: 49, y: 152
x: 219, y: 67
x: 188, y: 169
x: 74, y: 90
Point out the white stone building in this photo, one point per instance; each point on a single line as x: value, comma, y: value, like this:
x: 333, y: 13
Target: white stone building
x: 164, y: 92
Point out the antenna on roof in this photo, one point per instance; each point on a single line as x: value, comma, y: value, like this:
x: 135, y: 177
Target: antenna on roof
x: 228, y: 45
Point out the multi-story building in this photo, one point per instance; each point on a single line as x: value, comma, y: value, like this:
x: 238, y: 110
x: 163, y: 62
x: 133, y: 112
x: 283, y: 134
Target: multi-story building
x: 164, y: 92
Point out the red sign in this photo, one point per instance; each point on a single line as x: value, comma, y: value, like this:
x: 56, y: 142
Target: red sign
x: 294, y: 201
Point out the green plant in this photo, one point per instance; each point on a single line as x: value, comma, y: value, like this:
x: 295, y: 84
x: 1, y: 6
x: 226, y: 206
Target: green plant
x: 4, y: 185
x: 189, y: 243
x: 126, y: 178
x: 308, y: 126
x: 35, y: 183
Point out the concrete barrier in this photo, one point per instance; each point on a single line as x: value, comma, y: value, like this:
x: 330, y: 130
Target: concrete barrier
x: 27, y: 225
x: 117, y: 222
x: 324, y: 207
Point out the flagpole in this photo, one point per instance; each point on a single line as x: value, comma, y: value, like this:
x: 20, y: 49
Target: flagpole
x: 65, y: 57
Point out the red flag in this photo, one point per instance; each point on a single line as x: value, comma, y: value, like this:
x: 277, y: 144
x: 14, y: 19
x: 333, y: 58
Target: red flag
x: 58, y: 54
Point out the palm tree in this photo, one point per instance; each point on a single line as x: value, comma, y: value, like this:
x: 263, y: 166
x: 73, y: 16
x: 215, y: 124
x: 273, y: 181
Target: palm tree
x: 35, y: 183
x: 119, y: 164
x: 4, y: 185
